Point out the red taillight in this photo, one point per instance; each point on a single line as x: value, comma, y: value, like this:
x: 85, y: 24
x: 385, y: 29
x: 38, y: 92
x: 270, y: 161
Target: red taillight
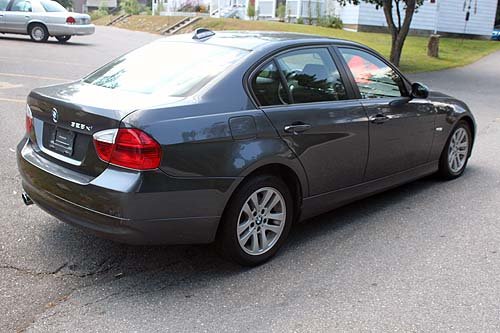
x: 29, y: 120
x: 128, y: 147
x: 70, y: 20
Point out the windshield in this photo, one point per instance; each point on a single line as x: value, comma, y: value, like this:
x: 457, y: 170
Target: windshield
x: 52, y: 6
x: 166, y: 68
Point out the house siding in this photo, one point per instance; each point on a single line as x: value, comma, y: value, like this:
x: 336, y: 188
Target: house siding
x: 425, y: 17
x: 349, y: 14
x: 451, y: 17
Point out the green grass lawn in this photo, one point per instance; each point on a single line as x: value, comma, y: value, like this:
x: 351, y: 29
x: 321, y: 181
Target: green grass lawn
x: 453, y: 52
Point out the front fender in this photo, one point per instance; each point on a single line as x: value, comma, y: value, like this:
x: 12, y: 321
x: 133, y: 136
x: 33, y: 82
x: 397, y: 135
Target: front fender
x: 449, y: 112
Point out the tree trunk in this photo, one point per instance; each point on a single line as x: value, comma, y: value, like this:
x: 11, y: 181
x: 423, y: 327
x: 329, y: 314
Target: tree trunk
x: 397, y: 49
x: 400, y: 31
x: 433, y: 46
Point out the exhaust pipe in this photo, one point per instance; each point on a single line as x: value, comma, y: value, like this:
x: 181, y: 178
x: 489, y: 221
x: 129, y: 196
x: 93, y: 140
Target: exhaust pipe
x: 26, y: 198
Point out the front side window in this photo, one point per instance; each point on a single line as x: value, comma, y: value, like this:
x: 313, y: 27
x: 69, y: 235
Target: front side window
x: 166, y: 68
x: 312, y: 76
x: 21, y: 6
x: 52, y: 6
x: 374, y: 78
x: 3, y: 4
x: 267, y: 86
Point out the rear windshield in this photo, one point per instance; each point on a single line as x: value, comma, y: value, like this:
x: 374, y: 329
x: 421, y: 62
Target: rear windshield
x: 52, y: 6
x: 166, y: 68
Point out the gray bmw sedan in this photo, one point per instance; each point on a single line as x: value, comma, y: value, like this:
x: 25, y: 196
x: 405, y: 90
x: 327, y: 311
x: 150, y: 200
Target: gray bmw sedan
x: 232, y: 137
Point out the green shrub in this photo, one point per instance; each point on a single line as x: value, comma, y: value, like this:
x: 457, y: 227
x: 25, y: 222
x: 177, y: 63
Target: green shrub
x: 331, y: 22
x: 101, y: 12
x: 300, y: 20
x: 251, y: 10
x: 281, y: 12
x: 132, y: 7
x: 159, y: 7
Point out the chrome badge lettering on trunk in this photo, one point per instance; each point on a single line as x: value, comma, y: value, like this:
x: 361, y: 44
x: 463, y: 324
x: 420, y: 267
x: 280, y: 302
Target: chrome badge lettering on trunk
x: 81, y: 126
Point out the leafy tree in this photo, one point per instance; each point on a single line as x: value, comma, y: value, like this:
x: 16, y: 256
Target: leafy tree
x: 398, y: 24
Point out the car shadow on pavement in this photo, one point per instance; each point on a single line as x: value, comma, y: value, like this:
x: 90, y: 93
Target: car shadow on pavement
x: 146, y: 269
x: 50, y: 41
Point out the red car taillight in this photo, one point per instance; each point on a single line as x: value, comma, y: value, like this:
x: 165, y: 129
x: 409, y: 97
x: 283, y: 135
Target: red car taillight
x: 29, y: 120
x: 128, y: 147
x: 70, y: 20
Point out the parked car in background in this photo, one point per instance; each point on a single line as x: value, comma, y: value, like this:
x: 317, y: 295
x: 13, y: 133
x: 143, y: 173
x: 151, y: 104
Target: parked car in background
x: 235, y: 137
x: 496, y: 33
x: 41, y: 19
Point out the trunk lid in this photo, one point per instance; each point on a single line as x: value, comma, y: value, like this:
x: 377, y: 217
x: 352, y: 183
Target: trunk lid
x: 65, y: 117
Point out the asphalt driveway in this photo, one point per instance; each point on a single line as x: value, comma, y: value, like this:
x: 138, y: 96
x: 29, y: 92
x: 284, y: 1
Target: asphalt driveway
x: 423, y: 257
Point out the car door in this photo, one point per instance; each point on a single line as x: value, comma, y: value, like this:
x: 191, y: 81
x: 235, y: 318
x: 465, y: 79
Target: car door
x: 17, y: 16
x: 303, y: 93
x: 401, y: 128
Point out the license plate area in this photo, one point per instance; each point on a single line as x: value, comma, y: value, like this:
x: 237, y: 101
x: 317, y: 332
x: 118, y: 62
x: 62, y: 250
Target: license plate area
x: 62, y: 141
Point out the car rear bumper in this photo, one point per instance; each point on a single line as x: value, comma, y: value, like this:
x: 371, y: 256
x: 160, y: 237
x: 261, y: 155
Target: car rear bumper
x: 126, y: 206
x: 70, y: 29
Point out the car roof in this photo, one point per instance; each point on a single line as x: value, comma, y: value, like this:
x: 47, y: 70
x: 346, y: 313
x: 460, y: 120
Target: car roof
x: 253, y: 40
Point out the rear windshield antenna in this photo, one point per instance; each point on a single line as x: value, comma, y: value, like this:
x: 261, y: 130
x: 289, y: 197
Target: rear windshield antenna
x: 203, y: 33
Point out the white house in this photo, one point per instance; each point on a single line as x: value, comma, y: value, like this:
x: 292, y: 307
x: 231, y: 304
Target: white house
x: 443, y: 16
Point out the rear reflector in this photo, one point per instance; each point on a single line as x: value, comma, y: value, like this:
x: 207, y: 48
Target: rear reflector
x: 29, y: 120
x: 128, y: 147
x: 70, y: 20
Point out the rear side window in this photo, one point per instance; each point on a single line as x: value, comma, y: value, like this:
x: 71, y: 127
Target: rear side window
x: 166, y: 68
x: 267, y: 86
x: 3, y: 4
x: 312, y: 76
x: 52, y: 6
x: 374, y: 78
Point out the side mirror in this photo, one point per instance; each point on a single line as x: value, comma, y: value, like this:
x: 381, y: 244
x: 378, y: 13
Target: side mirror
x: 418, y: 90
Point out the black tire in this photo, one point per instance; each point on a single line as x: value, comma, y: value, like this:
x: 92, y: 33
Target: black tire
x: 63, y: 39
x: 445, y: 170
x: 227, y: 238
x: 38, y: 33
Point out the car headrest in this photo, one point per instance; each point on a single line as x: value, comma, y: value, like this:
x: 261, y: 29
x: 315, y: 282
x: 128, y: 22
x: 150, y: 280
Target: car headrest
x: 313, y: 76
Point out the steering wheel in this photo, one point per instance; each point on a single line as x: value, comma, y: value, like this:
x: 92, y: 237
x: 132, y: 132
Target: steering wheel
x: 292, y: 74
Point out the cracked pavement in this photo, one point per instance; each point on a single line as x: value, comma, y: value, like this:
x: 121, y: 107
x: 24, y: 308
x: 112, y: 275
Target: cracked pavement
x: 423, y: 257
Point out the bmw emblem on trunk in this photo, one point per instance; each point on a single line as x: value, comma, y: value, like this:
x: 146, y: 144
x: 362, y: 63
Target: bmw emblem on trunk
x: 55, y: 115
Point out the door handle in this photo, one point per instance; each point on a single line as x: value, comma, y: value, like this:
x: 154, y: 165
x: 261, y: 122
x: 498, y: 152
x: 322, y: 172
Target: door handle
x: 27, y: 16
x: 379, y: 118
x: 296, y: 128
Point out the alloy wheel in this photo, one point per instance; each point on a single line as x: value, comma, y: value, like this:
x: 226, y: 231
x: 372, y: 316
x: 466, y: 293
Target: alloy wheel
x: 261, y: 221
x: 458, y: 150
